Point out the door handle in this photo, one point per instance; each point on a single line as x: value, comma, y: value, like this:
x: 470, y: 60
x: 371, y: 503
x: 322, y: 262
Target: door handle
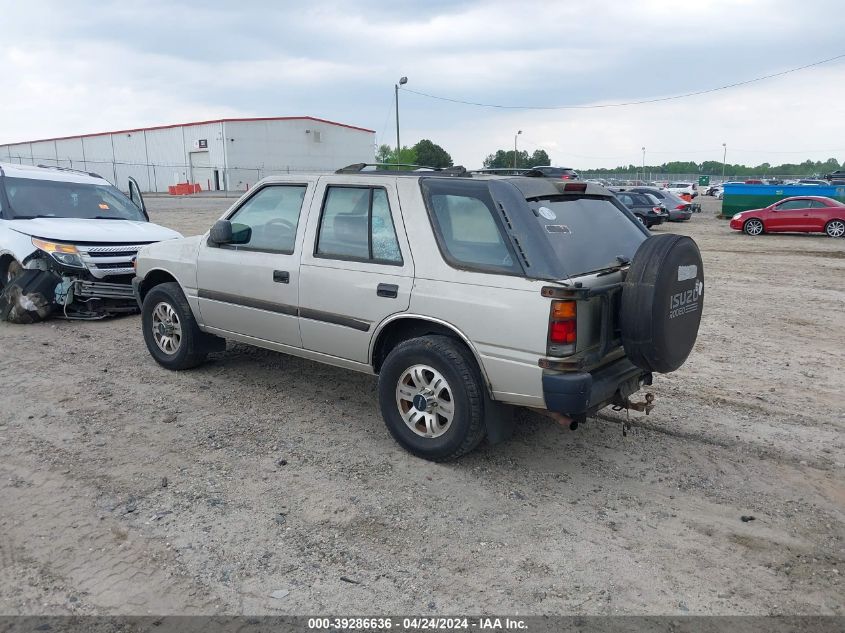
x: 281, y: 276
x: 390, y: 291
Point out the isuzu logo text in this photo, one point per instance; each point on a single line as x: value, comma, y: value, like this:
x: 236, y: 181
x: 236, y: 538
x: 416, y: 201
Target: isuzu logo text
x: 686, y: 301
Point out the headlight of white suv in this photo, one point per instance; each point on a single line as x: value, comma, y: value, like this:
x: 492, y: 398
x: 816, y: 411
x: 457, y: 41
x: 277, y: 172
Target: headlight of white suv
x: 66, y: 254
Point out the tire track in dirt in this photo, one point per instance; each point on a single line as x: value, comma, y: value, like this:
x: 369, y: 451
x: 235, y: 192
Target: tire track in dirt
x: 114, y: 569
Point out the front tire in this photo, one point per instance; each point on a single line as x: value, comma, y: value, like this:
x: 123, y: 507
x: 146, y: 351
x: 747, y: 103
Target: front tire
x: 753, y: 227
x: 431, y: 398
x: 9, y: 270
x: 170, y: 330
x: 835, y: 228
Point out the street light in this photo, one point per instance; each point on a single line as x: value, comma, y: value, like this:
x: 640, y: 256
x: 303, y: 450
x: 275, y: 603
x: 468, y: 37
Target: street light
x: 402, y: 82
x: 643, y: 163
x: 515, y: 136
x: 724, y: 158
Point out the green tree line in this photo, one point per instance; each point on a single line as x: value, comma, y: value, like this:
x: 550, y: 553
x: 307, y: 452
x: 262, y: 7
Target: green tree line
x: 714, y: 168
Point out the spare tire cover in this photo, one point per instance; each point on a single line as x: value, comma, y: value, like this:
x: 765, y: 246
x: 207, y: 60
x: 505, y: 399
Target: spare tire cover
x: 662, y: 300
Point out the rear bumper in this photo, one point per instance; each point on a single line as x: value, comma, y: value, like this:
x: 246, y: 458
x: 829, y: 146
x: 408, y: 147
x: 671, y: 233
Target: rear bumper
x: 680, y: 215
x: 577, y: 393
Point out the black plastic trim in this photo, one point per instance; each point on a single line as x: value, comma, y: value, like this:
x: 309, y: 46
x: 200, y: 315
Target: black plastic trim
x: 259, y: 304
x: 336, y: 319
x: 580, y: 392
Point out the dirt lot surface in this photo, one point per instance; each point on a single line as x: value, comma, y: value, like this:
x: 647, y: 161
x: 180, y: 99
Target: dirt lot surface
x: 260, y: 483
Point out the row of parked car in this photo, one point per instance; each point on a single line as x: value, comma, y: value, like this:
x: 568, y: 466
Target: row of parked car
x: 655, y: 205
x: 718, y: 190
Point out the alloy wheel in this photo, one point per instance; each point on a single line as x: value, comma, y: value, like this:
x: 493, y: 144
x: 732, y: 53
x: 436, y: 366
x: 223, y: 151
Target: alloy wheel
x: 754, y: 227
x: 835, y: 228
x: 167, y: 329
x: 425, y: 401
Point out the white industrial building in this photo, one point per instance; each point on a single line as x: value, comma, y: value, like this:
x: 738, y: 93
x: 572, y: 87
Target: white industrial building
x: 225, y: 154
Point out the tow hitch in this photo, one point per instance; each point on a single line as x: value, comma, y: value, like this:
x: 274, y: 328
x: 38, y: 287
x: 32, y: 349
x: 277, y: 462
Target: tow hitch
x: 626, y: 404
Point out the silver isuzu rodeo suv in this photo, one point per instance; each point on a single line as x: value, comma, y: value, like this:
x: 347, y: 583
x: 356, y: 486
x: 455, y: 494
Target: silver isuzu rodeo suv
x: 465, y: 294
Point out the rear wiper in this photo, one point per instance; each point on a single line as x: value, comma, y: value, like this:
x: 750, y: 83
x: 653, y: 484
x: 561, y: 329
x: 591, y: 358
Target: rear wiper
x: 623, y: 261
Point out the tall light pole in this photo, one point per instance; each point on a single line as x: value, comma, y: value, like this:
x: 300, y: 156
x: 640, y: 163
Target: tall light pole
x: 402, y: 82
x: 515, y: 136
x: 644, y: 163
x: 724, y: 159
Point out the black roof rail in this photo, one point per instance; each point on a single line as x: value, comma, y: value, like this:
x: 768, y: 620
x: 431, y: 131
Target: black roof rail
x: 75, y: 171
x: 395, y: 168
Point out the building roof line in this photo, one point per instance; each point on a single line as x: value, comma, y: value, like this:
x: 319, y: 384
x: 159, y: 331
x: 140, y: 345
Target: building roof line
x: 175, y: 125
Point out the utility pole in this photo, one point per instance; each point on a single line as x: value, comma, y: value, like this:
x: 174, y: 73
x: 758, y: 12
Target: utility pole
x: 515, y: 136
x: 644, y: 164
x: 724, y: 159
x: 402, y: 82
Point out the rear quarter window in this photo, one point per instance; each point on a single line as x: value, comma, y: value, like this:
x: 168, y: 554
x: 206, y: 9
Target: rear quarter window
x: 467, y: 226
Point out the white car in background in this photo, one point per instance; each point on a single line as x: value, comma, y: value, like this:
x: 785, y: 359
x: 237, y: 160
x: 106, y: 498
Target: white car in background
x: 681, y: 188
x: 68, y: 241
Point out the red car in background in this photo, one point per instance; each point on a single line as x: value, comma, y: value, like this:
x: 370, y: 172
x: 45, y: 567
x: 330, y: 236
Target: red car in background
x: 799, y: 214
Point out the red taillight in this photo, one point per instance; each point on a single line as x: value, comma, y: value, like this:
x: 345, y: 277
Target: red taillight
x: 563, y: 328
x: 562, y: 332
x: 657, y: 209
x: 565, y: 177
x: 575, y: 186
x: 680, y: 206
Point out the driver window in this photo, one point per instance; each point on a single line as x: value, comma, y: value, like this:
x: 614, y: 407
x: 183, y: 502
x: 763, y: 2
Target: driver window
x: 271, y: 216
x: 791, y: 204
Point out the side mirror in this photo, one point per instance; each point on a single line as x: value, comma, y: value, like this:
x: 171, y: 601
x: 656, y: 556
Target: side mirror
x: 224, y: 232
x: 221, y: 233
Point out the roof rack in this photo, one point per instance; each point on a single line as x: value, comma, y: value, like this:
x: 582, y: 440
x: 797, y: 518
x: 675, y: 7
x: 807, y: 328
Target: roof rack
x: 75, y: 171
x: 397, y: 168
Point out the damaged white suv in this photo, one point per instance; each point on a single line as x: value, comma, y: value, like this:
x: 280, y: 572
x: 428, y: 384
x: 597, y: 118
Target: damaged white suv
x: 464, y: 294
x: 67, y: 243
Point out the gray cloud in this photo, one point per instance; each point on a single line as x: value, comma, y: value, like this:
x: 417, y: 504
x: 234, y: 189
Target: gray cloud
x: 81, y: 67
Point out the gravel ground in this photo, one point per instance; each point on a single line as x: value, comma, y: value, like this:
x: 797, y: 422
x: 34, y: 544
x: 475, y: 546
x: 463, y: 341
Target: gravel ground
x: 264, y: 484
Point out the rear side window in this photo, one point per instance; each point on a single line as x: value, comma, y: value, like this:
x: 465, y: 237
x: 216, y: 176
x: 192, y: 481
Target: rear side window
x: 467, y: 227
x: 357, y: 225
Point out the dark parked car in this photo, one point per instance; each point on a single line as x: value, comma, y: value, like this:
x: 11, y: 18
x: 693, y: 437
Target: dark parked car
x: 679, y: 209
x: 647, y: 210
x: 564, y: 173
x: 839, y: 174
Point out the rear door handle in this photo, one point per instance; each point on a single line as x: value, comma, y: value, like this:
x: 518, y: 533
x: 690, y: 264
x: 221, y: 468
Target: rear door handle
x: 281, y: 276
x: 387, y: 290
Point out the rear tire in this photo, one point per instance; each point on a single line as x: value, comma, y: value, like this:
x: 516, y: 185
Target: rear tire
x: 835, y: 228
x: 753, y: 227
x: 170, y: 330
x: 432, y: 399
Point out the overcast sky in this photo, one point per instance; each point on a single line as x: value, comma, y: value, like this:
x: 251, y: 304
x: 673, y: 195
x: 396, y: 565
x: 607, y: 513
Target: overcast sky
x: 75, y: 67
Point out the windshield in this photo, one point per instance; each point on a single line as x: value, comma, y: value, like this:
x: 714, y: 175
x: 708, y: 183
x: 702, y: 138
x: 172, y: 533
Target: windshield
x: 35, y: 198
x: 587, y: 233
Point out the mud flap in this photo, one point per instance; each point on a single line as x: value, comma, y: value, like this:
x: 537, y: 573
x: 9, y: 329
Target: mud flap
x: 499, y: 420
x: 29, y: 297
